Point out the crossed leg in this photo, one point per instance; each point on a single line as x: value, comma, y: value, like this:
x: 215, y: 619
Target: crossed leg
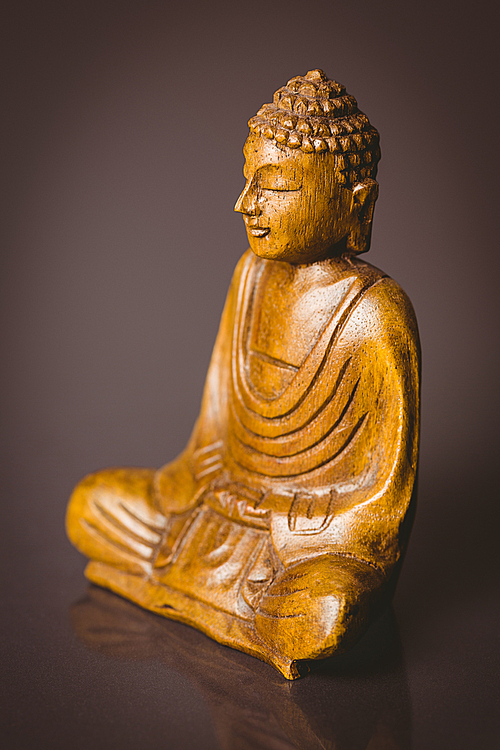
x: 112, y: 519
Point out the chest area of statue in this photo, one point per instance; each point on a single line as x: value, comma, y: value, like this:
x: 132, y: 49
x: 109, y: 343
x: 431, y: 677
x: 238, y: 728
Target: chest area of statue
x: 285, y: 318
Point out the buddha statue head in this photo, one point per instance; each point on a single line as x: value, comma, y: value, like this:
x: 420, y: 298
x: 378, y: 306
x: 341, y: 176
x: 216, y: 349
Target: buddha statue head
x: 310, y: 167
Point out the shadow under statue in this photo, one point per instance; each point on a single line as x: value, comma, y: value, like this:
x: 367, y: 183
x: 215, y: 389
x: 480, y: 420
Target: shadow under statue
x: 281, y: 528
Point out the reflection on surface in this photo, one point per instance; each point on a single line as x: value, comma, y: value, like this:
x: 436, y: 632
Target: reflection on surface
x: 358, y: 700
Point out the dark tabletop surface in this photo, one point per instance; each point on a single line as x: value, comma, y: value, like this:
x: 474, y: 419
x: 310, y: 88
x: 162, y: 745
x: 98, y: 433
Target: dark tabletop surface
x: 122, y: 154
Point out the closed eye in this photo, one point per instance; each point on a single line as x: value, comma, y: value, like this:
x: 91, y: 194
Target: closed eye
x: 280, y: 189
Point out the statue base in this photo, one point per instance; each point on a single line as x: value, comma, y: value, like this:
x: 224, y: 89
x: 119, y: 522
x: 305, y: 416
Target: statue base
x: 225, y: 628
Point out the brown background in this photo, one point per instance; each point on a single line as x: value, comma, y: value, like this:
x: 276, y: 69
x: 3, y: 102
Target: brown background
x: 121, y: 163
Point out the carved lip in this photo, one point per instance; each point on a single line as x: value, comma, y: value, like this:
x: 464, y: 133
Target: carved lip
x: 258, y: 231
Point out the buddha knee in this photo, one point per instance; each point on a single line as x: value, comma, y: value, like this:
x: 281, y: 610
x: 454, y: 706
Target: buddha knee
x: 318, y: 607
x: 111, y: 518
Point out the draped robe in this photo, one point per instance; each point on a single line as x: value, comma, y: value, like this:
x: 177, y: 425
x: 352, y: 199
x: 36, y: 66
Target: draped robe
x: 287, y: 465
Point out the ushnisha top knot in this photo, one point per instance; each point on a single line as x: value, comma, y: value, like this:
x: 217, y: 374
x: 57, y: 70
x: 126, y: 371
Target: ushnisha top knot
x: 316, y: 115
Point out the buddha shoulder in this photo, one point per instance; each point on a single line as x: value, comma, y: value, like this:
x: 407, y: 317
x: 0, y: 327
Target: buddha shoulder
x: 383, y: 312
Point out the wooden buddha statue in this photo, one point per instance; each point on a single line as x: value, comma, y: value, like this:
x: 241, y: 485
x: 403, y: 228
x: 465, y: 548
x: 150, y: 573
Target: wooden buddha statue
x: 280, y: 529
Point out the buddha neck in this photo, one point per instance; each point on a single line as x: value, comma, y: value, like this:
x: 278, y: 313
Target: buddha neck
x: 338, y: 253
x: 303, y: 275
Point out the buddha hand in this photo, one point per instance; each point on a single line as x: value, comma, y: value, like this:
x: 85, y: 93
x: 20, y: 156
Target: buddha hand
x: 317, y: 607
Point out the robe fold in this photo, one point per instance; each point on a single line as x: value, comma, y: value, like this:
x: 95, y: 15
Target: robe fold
x: 328, y: 464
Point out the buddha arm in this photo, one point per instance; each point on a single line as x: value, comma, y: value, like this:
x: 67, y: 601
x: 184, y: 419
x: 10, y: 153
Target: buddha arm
x: 336, y: 564
x: 180, y: 483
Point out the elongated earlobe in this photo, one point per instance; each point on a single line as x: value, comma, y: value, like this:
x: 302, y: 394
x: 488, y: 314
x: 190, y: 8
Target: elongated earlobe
x: 365, y: 195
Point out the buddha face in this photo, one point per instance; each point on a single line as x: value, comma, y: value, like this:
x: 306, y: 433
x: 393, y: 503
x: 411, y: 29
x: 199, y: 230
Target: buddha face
x: 294, y: 208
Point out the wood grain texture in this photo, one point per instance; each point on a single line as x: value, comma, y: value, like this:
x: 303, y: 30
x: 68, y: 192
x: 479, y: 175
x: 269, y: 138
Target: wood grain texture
x: 281, y: 528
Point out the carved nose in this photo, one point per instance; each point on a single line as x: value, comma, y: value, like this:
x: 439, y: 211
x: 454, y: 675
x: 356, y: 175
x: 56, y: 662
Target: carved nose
x: 247, y: 202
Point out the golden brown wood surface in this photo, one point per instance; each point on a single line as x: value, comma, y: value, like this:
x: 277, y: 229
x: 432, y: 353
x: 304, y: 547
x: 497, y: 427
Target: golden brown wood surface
x: 281, y: 528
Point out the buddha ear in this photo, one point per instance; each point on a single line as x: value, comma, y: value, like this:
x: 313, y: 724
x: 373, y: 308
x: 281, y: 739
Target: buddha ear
x: 365, y: 194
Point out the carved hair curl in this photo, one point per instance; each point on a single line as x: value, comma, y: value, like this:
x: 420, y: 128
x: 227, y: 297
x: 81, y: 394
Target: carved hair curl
x: 318, y: 115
